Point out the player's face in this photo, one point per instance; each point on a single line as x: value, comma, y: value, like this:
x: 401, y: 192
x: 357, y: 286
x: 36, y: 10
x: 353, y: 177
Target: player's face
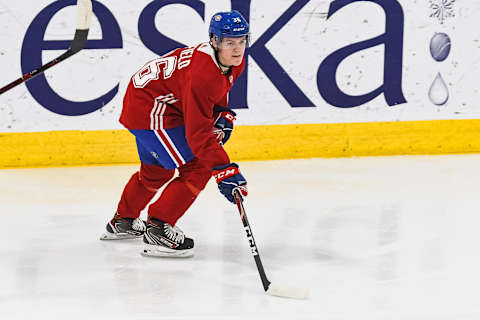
x: 231, y: 51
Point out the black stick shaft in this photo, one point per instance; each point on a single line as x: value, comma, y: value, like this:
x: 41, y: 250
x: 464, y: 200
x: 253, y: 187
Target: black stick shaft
x: 78, y: 44
x: 251, y: 240
x: 36, y: 72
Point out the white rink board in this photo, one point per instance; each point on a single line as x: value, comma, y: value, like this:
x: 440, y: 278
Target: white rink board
x: 299, y: 46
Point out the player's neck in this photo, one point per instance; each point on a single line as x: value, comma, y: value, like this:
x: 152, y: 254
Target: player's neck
x: 225, y: 69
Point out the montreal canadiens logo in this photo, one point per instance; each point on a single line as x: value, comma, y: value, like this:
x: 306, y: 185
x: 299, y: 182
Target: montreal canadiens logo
x: 218, y: 17
x: 231, y: 79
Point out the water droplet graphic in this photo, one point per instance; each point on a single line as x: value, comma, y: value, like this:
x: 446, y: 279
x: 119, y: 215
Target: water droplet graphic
x: 438, y: 92
x: 440, y: 46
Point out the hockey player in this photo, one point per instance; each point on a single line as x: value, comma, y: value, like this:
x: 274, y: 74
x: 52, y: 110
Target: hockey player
x: 176, y: 107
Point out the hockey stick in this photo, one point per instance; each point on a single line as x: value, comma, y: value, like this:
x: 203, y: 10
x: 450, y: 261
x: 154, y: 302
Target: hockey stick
x: 84, y: 14
x: 270, y: 288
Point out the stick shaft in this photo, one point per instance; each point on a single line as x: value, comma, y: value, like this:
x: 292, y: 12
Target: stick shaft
x: 251, y: 240
x: 78, y: 43
x: 36, y: 72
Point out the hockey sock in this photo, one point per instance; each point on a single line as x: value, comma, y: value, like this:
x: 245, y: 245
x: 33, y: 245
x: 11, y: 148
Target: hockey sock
x: 173, y: 203
x: 135, y: 197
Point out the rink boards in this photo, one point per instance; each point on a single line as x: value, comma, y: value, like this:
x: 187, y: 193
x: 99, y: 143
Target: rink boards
x: 400, y: 79
x: 65, y: 148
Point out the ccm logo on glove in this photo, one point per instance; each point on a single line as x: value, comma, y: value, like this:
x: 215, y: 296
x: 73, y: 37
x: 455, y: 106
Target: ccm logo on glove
x: 227, y: 115
x: 223, y: 123
x: 224, y: 174
x: 230, y: 179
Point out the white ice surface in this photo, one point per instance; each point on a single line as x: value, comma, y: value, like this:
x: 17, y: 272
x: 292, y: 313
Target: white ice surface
x: 372, y: 239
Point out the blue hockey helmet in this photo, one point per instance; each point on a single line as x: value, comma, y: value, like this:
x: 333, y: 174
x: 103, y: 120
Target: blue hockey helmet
x: 228, y: 24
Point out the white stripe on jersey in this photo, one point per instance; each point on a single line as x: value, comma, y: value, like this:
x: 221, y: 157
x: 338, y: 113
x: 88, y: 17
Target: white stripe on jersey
x: 173, y: 146
x: 156, y: 105
x: 156, y: 123
x: 164, y: 107
x: 166, y: 148
x: 158, y: 110
x: 158, y: 115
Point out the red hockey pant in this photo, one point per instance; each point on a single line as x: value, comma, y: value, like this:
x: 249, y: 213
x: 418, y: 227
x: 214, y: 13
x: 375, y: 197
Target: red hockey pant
x: 175, y: 199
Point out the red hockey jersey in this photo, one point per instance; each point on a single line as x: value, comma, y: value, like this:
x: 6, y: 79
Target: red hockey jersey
x: 181, y: 89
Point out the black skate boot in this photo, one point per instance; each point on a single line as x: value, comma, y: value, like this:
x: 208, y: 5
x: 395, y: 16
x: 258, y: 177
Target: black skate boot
x: 163, y: 240
x: 123, y: 228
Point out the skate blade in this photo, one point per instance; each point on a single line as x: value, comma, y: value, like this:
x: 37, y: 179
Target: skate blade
x: 118, y: 236
x: 163, y: 252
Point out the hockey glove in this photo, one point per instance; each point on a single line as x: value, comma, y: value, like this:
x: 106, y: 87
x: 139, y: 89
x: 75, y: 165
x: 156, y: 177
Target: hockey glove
x: 223, y: 125
x: 230, y: 179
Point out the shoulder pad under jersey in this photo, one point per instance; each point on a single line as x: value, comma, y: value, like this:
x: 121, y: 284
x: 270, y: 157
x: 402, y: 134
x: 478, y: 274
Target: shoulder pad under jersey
x: 207, y: 49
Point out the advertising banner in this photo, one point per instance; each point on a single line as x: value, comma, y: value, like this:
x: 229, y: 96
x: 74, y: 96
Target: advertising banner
x: 309, y: 62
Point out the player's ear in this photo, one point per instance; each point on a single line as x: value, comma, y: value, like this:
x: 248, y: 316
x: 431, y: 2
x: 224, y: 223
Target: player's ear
x: 214, y: 43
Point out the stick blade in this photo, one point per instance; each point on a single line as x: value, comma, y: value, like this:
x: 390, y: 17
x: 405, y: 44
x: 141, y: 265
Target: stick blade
x: 287, y: 292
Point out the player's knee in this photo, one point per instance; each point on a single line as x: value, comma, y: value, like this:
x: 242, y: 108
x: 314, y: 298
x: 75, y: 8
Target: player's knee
x: 195, y: 175
x: 197, y: 179
x: 154, y: 177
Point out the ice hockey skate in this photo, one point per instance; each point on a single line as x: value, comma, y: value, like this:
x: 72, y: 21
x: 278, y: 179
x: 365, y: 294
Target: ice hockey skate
x: 162, y: 240
x: 120, y: 228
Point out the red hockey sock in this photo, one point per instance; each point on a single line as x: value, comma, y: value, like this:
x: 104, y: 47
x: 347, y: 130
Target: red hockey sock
x: 181, y: 192
x: 134, y: 198
x: 141, y: 188
x: 174, y: 201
